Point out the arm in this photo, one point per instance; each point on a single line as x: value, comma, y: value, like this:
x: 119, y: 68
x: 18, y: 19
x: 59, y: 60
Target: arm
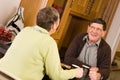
x: 104, y: 60
x: 53, y: 66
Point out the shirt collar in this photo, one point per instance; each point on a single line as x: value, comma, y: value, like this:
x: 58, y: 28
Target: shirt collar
x: 85, y: 38
x: 40, y: 29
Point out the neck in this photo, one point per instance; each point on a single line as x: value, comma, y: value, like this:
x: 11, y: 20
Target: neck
x: 50, y: 32
x: 91, y: 42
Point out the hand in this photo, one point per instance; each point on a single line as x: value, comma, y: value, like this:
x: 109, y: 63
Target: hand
x: 79, y: 72
x: 94, y: 74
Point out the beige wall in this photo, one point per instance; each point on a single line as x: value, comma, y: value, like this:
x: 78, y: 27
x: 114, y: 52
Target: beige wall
x: 7, y: 10
x: 113, y: 37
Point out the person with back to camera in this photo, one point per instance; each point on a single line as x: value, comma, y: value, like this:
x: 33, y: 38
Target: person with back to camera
x: 34, y: 52
x: 91, y: 50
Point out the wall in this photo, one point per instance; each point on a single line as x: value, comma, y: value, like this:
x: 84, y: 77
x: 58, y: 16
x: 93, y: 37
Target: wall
x: 31, y: 7
x: 7, y: 10
x: 113, y: 36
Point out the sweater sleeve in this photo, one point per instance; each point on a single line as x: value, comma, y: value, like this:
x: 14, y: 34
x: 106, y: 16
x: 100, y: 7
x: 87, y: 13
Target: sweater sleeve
x: 104, y: 62
x: 53, y: 65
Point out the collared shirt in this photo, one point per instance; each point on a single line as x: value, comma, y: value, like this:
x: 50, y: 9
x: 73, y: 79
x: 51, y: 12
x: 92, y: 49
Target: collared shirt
x: 88, y: 54
x: 32, y: 54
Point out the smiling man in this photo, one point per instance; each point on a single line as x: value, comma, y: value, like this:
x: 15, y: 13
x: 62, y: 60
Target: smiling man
x: 92, y: 50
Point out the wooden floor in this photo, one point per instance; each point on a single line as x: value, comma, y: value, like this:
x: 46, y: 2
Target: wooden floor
x: 115, y: 75
x: 115, y: 71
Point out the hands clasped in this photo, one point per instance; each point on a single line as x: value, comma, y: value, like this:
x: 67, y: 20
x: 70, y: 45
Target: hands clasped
x: 94, y: 74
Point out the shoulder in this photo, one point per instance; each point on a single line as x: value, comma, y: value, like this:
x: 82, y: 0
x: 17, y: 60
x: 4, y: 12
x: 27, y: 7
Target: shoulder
x: 50, y: 41
x: 80, y: 36
x: 105, y: 45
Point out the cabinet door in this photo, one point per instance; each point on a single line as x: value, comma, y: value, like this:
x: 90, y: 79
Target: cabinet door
x: 31, y: 8
x: 79, y: 6
x: 88, y: 9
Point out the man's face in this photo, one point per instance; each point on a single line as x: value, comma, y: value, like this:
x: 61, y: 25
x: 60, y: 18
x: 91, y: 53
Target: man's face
x: 95, y: 32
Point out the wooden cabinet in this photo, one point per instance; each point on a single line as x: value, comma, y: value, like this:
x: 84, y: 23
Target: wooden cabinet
x: 50, y: 2
x: 88, y: 9
x: 64, y: 19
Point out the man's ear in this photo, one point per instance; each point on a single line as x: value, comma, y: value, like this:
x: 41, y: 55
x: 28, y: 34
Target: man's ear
x: 52, y: 30
x: 103, y: 33
x: 53, y: 27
